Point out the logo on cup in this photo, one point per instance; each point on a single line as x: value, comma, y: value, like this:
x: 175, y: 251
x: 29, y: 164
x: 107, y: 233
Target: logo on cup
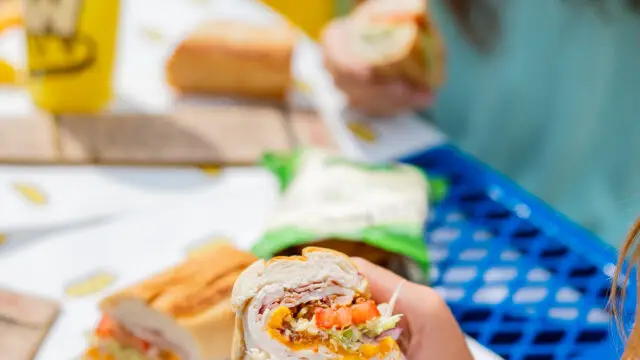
x: 55, y: 45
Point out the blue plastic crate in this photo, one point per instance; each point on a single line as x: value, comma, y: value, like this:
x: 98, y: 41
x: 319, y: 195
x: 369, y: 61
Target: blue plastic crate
x: 520, y: 278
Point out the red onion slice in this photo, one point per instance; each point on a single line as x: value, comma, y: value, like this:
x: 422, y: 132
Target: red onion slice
x: 394, y: 333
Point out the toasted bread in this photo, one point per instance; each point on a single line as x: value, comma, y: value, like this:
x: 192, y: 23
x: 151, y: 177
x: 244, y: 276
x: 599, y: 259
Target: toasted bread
x: 233, y: 58
x: 188, y: 304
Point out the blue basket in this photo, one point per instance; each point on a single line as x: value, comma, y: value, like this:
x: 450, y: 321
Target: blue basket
x: 520, y: 278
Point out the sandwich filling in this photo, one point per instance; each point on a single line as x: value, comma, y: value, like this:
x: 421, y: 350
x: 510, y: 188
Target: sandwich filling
x: 349, y: 324
x: 382, y: 42
x: 389, y: 31
x: 112, y: 341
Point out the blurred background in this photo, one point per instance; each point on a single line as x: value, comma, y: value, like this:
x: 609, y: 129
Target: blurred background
x: 133, y: 134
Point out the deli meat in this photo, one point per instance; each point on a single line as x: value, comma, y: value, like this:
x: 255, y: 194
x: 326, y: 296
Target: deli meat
x: 329, y: 293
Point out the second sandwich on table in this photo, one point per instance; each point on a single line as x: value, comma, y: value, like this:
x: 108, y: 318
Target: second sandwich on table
x: 183, y: 313
x: 234, y: 58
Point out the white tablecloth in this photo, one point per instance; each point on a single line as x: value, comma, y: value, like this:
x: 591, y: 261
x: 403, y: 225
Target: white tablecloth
x: 78, y: 233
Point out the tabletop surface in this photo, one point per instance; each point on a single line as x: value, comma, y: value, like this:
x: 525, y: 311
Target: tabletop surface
x: 75, y: 234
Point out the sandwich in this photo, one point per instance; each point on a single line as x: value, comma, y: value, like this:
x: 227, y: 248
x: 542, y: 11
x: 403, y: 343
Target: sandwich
x: 233, y: 58
x: 315, y: 306
x: 398, y: 39
x: 183, y: 313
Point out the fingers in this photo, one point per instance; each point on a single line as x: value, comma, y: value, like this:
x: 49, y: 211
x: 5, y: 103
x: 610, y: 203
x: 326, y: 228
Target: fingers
x: 382, y: 282
x: 413, y: 299
x: 434, y: 333
x: 386, y: 98
x: 383, y: 98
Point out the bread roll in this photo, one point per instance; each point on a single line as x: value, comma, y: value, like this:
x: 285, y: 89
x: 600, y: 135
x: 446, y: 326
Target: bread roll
x: 183, y: 313
x: 233, y: 58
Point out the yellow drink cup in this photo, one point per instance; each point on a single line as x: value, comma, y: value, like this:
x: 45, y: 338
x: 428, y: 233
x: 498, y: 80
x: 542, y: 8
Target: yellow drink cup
x: 71, y: 47
x: 311, y: 15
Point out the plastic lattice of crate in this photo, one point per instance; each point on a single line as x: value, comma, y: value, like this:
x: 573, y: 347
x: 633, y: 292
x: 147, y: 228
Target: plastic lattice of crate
x: 520, y: 278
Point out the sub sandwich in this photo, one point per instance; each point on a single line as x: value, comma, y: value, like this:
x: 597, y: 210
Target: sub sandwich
x: 183, y: 313
x: 231, y: 58
x: 316, y: 306
x: 396, y: 39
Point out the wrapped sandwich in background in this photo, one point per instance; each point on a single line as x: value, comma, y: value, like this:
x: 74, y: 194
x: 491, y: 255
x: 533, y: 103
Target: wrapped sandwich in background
x: 373, y: 211
x: 394, y: 39
x: 316, y: 306
x: 183, y: 313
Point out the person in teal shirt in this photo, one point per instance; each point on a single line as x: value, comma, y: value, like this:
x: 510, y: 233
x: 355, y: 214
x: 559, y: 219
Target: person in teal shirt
x: 545, y: 91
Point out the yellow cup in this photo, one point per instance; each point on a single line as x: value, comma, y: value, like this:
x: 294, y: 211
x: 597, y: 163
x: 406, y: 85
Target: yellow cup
x: 311, y: 15
x: 71, y: 47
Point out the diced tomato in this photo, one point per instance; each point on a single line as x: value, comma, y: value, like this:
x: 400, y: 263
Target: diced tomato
x: 330, y: 318
x: 107, y: 327
x: 343, y: 317
x: 361, y: 313
x: 324, y: 318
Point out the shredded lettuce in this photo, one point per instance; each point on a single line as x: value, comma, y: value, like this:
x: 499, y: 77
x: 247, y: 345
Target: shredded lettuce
x: 387, y: 320
x: 256, y: 354
x: 118, y: 351
x: 377, y: 326
x: 349, y: 338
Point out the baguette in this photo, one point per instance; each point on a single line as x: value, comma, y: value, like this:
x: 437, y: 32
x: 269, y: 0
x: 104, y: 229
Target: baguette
x: 182, y: 313
x: 232, y: 58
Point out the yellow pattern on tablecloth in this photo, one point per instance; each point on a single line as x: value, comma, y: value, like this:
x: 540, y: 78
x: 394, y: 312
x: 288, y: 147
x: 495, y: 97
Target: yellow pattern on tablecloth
x: 32, y: 193
x: 362, y: 131
x: 211, y: 170
x: 152, y: 34
x: 90, y: 284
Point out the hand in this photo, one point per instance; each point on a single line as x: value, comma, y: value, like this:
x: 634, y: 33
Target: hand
x: 373, y: 96
x: 430, y: 331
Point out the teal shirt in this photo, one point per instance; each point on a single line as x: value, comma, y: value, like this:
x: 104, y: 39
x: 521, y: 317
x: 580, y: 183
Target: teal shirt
x: 555, y: 106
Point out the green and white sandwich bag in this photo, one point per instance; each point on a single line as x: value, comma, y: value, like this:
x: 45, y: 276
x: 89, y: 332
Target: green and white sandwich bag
x: 325, y: 196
